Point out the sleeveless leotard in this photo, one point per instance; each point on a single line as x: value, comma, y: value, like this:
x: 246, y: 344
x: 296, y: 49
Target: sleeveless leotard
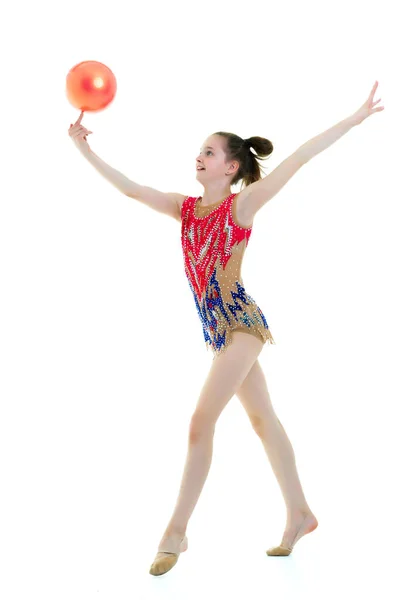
x: 213, y: 246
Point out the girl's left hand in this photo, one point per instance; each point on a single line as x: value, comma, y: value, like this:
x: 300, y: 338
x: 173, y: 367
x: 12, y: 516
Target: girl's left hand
x: 367, y: 108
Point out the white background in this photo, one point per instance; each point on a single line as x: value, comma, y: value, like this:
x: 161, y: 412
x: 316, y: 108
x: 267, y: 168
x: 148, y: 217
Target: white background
x: 103, y: 355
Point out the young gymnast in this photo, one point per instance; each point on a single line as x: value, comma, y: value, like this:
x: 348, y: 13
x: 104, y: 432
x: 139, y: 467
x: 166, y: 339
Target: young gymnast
x: 215, y: 230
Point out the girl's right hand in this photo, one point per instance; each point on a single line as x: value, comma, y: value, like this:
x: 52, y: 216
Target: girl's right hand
x: 78, y: 133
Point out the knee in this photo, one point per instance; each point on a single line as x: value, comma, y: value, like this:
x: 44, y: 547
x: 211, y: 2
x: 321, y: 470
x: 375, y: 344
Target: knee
x: 262, y: 424
x: 201, y: 425
x: 258, y: 424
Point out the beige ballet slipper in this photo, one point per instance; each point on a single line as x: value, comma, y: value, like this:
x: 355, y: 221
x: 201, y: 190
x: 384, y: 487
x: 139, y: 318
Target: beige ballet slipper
x: 164, y: 561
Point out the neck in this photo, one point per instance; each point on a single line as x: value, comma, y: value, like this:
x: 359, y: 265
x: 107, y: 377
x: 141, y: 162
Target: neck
x: 215, y: 193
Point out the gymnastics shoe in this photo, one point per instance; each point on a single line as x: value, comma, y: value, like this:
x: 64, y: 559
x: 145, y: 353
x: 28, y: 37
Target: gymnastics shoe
x: 309, y: 524
x: 164, y: 561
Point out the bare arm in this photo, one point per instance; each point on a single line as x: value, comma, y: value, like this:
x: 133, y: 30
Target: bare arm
x: 163, y: 202
x: 166, y: 203
x: 116, y: 178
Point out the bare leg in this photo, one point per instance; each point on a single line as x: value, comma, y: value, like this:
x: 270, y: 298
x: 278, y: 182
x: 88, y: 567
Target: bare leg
x: 227, y: 373
x: 281, y: 456
x: 197, y: 466
x: 255, y: 398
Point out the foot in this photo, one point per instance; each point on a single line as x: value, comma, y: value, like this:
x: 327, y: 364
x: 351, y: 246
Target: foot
x: 169, y: 549
x: 173, y: 543
x: 296, y: 527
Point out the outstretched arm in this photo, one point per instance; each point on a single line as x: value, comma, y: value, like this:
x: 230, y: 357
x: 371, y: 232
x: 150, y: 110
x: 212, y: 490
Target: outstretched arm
x: 263, y: 190
x: 326, y: 139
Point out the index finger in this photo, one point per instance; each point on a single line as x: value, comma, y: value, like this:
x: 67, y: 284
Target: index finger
x: 80, y: 118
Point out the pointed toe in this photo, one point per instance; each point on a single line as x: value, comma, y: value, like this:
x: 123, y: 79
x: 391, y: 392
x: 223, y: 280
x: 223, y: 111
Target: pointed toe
x: 163, y: 563
x: 279, y: 551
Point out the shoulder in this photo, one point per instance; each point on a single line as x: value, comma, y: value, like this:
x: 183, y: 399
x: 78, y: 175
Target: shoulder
x: 178, y: 198
x: 181, y: 199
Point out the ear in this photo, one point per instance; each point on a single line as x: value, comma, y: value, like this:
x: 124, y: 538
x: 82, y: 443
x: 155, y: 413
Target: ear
x: 233, y: 167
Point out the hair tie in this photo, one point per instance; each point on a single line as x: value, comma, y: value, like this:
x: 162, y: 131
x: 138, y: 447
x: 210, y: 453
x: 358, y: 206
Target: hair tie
x: 247, y: 143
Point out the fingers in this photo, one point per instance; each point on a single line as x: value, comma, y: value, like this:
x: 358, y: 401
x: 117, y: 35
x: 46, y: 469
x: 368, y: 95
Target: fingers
x: 78, y: 131
x: 78, y: 128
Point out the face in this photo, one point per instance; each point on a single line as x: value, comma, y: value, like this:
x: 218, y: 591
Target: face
x: 212, y: 158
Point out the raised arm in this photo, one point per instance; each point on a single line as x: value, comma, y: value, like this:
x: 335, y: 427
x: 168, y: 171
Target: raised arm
x: 168, y: 203
x: 259, y: 192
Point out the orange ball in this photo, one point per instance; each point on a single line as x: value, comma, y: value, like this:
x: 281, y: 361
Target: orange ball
x: 90, y: 86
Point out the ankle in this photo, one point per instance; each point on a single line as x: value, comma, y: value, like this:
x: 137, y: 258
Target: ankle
x: 175, y: 530
x: 296, y: 513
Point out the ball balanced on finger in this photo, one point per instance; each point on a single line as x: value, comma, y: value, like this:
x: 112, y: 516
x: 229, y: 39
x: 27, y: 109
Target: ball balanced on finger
x: 90, y: 86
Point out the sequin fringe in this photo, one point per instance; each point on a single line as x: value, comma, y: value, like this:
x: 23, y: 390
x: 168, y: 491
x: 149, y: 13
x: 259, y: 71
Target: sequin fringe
x: 266, y: 334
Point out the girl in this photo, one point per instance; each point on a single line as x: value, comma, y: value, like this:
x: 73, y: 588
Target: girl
x: 215, y: 230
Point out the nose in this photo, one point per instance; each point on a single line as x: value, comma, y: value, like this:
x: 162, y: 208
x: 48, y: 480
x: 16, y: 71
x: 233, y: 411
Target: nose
x: 200, y: 155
